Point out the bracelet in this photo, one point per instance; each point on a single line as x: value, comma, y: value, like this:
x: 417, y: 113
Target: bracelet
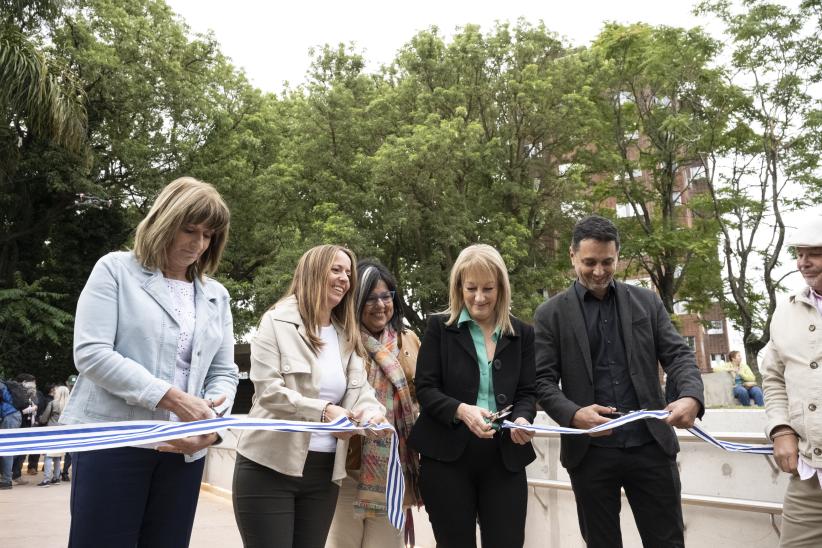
x: 324, y: 417
x: 784, y: 433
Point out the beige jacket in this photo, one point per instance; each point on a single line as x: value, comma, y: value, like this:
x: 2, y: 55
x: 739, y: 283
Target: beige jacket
x: 792, y: 376
x: 286, y: 386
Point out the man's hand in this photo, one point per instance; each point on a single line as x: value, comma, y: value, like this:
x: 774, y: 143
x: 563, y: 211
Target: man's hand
x: 521, y: 436
x: 786, y: 450
x: 188, y: 445
x: 475, y: 419
x: 683, y: 412
x: 588, y: 417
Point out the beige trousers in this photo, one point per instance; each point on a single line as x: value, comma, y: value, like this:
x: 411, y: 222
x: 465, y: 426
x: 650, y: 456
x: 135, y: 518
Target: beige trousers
x: 802, y: 514
x: 348, y: 531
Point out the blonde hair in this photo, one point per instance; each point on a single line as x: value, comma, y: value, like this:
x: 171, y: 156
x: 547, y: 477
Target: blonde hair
x: 61, y: 395
x: 483, y: 260
x: 183, y: 201
x: 310, y: 287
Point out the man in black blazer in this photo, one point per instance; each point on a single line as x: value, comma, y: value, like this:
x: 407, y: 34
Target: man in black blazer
x: 597, y: 347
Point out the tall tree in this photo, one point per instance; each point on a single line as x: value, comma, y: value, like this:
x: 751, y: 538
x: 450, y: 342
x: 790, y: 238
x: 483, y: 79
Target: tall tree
x: 655, y: 95
x: 767, y: 163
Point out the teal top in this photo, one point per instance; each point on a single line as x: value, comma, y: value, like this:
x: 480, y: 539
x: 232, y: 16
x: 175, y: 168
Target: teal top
x: 485, y: 394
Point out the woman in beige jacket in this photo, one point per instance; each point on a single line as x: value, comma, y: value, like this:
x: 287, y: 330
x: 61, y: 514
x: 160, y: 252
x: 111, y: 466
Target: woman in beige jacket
x: 306, y: 364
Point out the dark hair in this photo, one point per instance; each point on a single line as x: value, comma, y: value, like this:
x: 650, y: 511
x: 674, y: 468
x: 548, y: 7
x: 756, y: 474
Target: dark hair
x: 369, y: 272
x: 26, y: 377
x: 732, y: 354
x: 594, y: 227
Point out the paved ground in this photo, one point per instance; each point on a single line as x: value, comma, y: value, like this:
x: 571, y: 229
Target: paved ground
x: 39, y: 516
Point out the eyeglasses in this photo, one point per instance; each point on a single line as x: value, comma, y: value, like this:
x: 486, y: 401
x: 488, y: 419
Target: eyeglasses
x: 386, y: 298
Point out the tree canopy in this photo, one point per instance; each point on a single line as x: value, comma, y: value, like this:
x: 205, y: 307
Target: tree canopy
x: 505, y: 135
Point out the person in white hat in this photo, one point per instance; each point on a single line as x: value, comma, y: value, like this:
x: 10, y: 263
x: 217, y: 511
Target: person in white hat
x: 792, y: 379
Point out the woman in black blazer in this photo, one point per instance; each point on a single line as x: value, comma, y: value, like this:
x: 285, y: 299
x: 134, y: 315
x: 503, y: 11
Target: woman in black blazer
x: 476, y: 361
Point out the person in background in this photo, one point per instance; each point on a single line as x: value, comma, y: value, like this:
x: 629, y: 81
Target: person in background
x: 745, y: 387
x: 29, y: 420
x: 64, y: 475
x: 51, y: 417
x: 307, y: 365
x: 792, y: 379
x: 360, y: 520
x: 10, y: 417
x: 153, y: 340
x: 475, y: 367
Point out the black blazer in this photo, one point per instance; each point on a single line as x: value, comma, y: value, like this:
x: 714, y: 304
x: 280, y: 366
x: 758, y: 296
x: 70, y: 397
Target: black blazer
x: 447, y: 375
x: 564, y: 367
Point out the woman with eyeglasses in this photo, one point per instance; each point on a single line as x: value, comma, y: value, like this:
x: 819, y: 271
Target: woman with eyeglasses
x: 360, y: 520
x: 306, y: 365
x: 475, y: 367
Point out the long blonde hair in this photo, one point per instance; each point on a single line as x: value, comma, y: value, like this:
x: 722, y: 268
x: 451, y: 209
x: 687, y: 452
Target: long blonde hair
x: 61, y: 395
x: 309, y: 286
x: 483, y: 260
x: 183, y: 201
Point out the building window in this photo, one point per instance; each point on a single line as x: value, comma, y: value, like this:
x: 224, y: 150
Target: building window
x: 718, y: 359
x: 715, y: 327
x: 691, y: 340
x: 624, y: 210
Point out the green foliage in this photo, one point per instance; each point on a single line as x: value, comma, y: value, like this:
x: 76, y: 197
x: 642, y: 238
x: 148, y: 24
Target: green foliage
x: 767, y: 162
x: 503, y: 135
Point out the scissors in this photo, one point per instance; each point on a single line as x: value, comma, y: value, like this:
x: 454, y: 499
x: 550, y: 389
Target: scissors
x: 502, y: 413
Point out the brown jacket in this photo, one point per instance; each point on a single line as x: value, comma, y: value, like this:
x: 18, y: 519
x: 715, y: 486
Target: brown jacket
x: 286, y: 386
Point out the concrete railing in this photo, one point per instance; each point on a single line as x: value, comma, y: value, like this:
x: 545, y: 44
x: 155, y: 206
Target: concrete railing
x: 729, y: 499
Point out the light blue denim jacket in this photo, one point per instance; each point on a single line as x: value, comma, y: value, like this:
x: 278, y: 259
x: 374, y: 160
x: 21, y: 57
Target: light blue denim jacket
x: 125, y: 344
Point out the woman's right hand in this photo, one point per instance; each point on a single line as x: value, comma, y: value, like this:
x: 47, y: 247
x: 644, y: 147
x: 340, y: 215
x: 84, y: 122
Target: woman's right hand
x: 332, y: 413
x: 475, y: 419
x: 189, y: 408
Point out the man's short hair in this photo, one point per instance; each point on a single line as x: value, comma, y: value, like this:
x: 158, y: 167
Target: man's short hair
x: 26, y: 377
x: 594, y: 227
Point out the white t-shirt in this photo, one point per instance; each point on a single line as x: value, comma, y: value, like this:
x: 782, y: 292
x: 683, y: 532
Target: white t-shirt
x: 332, y: 384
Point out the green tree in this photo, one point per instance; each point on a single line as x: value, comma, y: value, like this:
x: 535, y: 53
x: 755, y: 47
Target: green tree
x: 768, y: 161
x: 656, y: 114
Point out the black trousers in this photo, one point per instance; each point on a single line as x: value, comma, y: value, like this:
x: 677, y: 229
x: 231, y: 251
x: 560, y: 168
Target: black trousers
x: 475, y: 486
x: 651, y: 482
x: 132, y: 497
x: 274, y: 510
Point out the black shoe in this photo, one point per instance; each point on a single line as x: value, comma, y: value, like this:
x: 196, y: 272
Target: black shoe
x: 44, y: 483
x: 64, y: 476
x: 5, y: 485
x: 55, y: 482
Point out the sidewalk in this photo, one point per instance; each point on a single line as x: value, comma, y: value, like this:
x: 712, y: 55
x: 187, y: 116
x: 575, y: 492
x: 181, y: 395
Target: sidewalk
x: 39, y: 516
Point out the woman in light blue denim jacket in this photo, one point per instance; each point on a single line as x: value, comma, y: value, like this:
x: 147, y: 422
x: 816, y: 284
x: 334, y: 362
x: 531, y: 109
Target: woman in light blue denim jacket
x: 153, y: 340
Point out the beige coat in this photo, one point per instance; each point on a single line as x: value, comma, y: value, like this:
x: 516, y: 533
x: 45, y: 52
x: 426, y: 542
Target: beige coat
x: 286, y: 386
x: 792, y: 376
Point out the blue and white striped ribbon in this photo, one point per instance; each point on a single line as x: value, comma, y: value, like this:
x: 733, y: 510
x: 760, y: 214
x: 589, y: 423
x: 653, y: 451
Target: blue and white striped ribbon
x: 108, y: 435
x: 760, y: 449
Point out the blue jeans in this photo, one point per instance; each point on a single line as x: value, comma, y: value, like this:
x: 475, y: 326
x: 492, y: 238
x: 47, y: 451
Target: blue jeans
x: 12, y: 420
x: 744, y: 395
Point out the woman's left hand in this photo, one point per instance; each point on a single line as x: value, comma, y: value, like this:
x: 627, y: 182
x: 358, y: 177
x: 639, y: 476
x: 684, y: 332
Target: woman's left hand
x: 189, y: 445
x: 521, y: 436
x: 364, y: 417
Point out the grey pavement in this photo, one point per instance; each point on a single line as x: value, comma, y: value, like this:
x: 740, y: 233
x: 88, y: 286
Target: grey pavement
x: 39, y: 516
